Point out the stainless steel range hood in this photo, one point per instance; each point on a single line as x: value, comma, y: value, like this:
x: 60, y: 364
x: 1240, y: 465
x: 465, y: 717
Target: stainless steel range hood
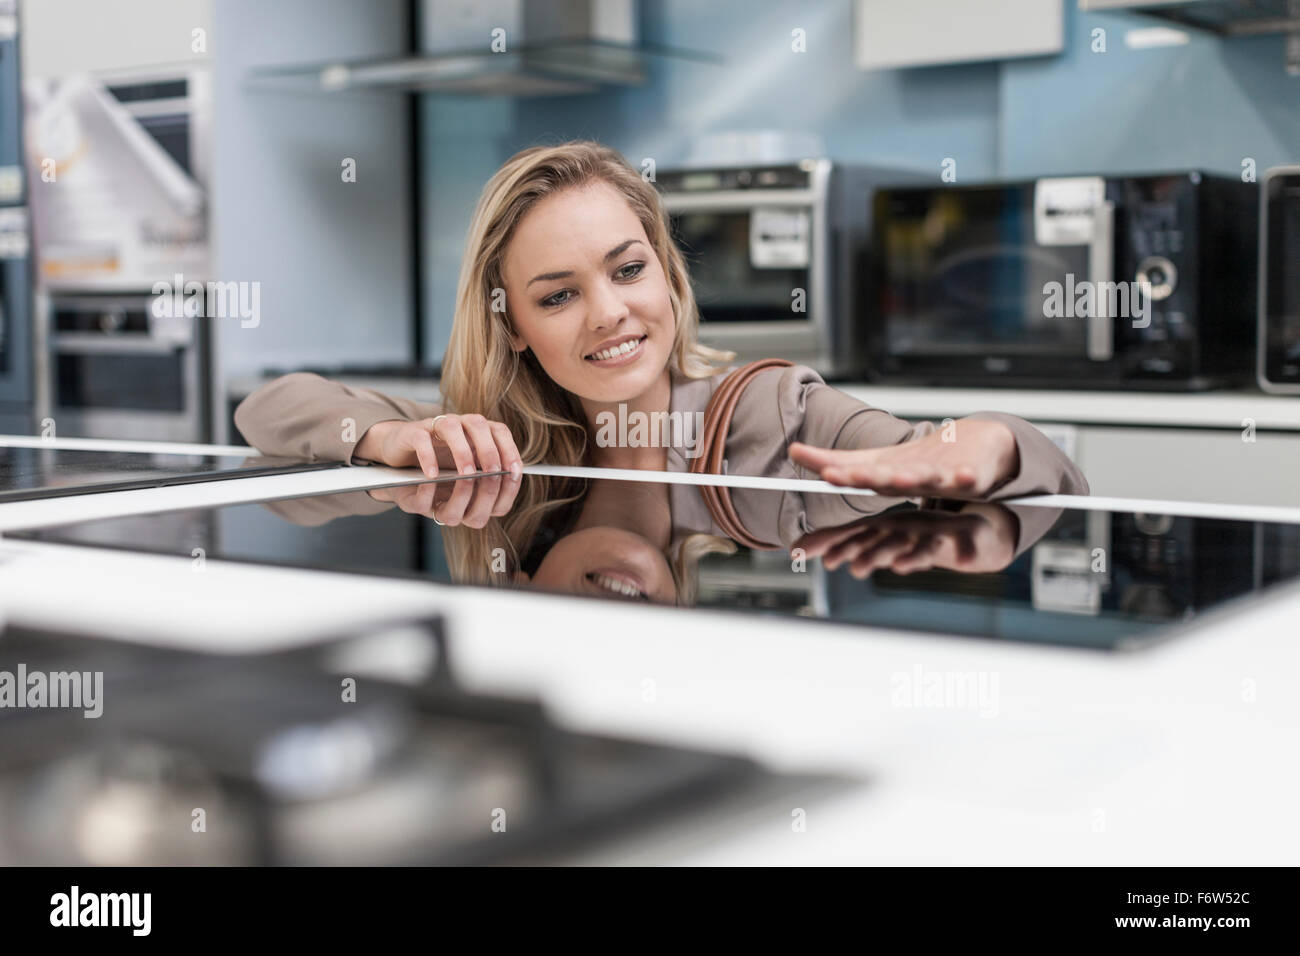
x: 503, y: 48
x: 1225, y: 17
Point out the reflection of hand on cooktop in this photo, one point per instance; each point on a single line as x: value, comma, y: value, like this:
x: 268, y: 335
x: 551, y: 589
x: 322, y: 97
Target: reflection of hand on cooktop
x: 472, y: 502
x: 978, y: 539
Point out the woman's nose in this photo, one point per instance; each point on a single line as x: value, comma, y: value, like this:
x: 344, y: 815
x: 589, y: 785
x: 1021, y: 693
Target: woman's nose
x: 606, y: 307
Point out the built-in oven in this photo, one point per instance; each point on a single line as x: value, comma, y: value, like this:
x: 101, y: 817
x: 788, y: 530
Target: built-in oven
x: 777, y: 254
x: 1279, y: 281
x: 1144, y: 282
x: 123, y: 209
x: 118, y: 370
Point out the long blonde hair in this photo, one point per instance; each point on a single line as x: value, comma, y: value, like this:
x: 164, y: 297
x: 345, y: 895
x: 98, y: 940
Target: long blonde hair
x: 483, y: 374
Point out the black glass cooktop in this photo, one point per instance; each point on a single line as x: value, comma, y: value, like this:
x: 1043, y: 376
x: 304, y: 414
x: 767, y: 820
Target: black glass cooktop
x: 29, y: 473
x: 1094, y: 579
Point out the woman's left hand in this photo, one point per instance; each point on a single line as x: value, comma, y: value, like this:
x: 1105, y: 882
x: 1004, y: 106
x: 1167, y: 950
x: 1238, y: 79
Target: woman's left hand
x: 472, y: 502
x: 970, y: 460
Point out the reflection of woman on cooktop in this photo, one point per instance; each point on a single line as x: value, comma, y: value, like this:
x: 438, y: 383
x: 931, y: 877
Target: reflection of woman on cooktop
x: 634, y: 540
x: 627, y: 540
x: 575, y: 310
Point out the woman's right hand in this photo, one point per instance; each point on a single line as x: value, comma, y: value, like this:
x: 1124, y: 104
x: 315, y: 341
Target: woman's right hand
x: 461, y: 443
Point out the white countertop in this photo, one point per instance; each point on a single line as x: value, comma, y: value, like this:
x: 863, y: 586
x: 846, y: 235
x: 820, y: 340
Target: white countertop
x: 1179, y: 754
x: 1155, y: 409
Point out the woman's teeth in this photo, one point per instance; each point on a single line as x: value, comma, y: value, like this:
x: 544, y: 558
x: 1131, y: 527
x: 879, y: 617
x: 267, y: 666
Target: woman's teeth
x: 619, y: 350
x: 610, y: 584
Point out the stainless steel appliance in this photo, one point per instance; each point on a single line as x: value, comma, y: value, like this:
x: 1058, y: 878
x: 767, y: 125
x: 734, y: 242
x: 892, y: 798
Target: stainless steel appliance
x: 1279, y: 281
x: 1229, y: 18
x: 15, y: 241
x: 124, y: 209
x: 117, y: 370
x: 777, y: 255
x: 1143, y: 282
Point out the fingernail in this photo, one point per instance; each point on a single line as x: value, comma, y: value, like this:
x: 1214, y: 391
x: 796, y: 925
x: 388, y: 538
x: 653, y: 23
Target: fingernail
x: 467, y: 470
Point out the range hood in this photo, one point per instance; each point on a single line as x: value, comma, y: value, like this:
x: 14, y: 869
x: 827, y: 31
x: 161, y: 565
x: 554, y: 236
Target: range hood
x: 1224, y: 17
x: 502, y: 48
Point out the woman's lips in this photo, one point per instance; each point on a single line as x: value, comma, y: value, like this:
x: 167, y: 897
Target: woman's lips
x: 618, y: 583
x: 625, y: 353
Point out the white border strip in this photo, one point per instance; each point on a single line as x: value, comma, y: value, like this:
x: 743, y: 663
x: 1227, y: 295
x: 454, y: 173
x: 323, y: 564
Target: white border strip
x: 686, y: 478
x: 1191, y: 509
x: 127, y: 445
x: 1274, y: 514
x: 63, y: 510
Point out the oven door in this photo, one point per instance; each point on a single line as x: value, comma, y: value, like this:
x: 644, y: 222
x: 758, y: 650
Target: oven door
x: 982, y: 285
x: 119, y: 372
x: 758, y: 271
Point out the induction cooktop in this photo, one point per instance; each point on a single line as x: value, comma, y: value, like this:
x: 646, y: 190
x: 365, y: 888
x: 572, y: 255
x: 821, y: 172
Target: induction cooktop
x: 1072, y: 577
x: 30, y: 473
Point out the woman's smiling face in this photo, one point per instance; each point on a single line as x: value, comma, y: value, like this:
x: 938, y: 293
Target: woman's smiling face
x: 587, y: 294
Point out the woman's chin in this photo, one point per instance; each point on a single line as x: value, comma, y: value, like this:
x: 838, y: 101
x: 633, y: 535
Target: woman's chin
x: 610, y: 386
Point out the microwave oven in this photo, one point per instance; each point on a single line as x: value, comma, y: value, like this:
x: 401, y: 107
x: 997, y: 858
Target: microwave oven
x: 1132, y: 282
x: 777, y: 255
x: 1279, y: 281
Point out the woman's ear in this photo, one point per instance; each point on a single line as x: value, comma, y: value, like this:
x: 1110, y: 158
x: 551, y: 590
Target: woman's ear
x: 516, y: 342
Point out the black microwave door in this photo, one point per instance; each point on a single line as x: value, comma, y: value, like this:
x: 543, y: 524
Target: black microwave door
x: 1281, y: 329
x: 964, y: 292
x: 729, y: 285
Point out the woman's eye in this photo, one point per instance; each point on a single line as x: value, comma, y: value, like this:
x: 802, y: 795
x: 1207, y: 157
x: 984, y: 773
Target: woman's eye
x: 558, y: 298
x: 631, y: 270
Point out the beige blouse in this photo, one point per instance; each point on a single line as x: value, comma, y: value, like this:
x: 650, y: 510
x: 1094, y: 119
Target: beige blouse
x: 305, y: 416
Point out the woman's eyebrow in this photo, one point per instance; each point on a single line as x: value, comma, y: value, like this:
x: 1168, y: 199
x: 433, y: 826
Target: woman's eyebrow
x: 614, y: 253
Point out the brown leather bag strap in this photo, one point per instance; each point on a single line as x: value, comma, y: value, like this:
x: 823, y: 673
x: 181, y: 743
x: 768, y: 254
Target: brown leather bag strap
x: 713, y: 448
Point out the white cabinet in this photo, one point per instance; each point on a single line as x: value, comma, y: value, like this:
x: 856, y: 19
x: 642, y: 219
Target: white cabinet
x: 92, y: 36
x: 899, y: 33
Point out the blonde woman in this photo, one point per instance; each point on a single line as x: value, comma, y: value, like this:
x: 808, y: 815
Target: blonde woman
x: 573, y: 305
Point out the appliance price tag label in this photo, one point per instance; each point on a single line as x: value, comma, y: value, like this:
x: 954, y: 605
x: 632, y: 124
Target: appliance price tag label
x: 13, y: 234
x: 1065, y: 210
x: 779, y: 238
x: 1061, y: 579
